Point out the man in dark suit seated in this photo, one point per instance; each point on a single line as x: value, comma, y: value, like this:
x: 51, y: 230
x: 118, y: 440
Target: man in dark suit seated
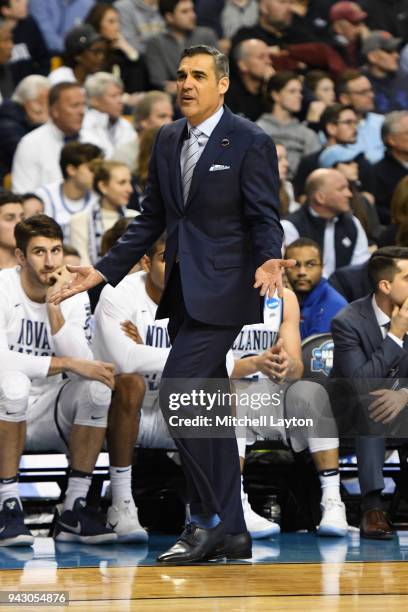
x: 371, y: 351
x: 352, y: 281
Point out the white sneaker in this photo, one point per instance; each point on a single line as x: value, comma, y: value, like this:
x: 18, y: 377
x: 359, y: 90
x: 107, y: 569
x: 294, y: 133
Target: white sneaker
x: 124, y: 521
x: 258, y: 526
x: 334, y: 521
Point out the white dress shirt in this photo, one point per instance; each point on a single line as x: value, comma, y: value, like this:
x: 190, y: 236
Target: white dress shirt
x: 360, y: 252
x: 97, y: 129
x: 206, y: 128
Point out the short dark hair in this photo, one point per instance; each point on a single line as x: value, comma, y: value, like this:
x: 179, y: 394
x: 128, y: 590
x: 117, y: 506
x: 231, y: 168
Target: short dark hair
x: 331, y: 114
x: 345, y: 79
x: 221, y: 61
x: 77, y: 153
x: 167, y: 6
x: 56, y: 90
x: 281, y: 79
x: 303, y: 242
x: 382, y: 264
x: 8, y: 197
x: 97, y: 13
x: 161, y: 240
x: 30, y: 195
x: 313, y: 78
x: 37, y: 225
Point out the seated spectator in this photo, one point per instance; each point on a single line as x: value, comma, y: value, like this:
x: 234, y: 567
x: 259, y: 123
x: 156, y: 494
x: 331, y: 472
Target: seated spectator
x: 293, y: 43
x: 318, y: 301
x: 154, y: 109
x: 344, y: 160
x: 389, y: 83
x: 85, y: 54
x: 392, y: 234
x: 139, y: 20
x: 348, y: 26
x: 246, y: 95
x: 326, y: 218
x: 352, y: 282
x: 287, y: 200
x: 112, y: 183
x: 339, y: 126
x: 209, y: 13
x: 32, y: 382
x: 370, y: 353
x: 71, y: 255
x: 394, y: 166
x: 285, y: 92
x: 318, y: 93
x: 103, y: 123
x: 73, y: 193
x: 238, y: 14
x: 163, y: 50
x: 355, y: 90
x: 58, y: 17
x: 36, y: 160
x: 121, y: 58
x: 6, y: 47
x: 11, y: 213
x: 30, y: 54
x: 32, y: 204
x: 27, y: 109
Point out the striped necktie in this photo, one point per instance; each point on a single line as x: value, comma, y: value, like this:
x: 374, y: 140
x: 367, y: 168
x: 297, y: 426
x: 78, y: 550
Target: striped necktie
x: 192, y: 156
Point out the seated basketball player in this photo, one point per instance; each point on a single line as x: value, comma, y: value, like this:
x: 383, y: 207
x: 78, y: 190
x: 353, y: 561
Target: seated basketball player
x: 268, y: 355
x: 135, y: 299
x: 38, y: 343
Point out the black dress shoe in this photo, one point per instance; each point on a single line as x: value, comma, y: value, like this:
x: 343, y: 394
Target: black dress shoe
x: 237, y: 546
x: 194, y: 544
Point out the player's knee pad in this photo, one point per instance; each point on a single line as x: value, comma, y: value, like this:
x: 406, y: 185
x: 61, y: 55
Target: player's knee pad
x: 14, y: 394
x: 94, y: 406
x: 318, y: 445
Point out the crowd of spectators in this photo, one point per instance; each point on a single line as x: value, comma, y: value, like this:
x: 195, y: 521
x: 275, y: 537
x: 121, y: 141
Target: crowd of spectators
x: 85, y: 86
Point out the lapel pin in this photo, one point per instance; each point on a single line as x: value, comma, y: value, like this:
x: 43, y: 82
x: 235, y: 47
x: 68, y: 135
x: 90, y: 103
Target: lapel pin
x: 225, y: 142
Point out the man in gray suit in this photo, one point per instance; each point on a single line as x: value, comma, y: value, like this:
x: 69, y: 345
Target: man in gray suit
x: 371, y: 351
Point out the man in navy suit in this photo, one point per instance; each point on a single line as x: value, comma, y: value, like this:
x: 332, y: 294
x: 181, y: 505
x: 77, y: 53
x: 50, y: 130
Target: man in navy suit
x: 371, y: 351
x: 213, y: 185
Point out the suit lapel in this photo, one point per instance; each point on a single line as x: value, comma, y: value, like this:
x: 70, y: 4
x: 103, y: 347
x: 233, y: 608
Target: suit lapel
x: 212, y: 151
x: 373, y: 331
x: 175, y: 152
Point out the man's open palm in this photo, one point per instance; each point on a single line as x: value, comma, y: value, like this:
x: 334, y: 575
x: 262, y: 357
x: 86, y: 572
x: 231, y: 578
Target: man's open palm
x: 269, y: 276
x: 83, y: 279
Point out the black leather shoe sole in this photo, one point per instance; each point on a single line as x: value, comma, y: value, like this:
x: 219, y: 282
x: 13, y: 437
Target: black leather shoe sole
x: 237, y: 546
x: 379, y: 536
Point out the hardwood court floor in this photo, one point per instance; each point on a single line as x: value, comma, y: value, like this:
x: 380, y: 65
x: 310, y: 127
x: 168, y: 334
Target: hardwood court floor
x: 371, y: 586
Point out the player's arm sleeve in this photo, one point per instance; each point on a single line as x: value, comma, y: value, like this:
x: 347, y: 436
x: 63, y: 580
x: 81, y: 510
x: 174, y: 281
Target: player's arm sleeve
x: 32, y: 366
x: 71, y: 340
x: 125, y: 354
x: 144, y: 230
x: 260, y: 188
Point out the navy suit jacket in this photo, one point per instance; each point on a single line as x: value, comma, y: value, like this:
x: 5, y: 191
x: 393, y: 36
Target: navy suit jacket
x: 228, y: 227
x: 360, y: 352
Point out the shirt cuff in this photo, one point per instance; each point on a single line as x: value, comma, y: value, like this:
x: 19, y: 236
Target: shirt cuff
x: 397, y: 340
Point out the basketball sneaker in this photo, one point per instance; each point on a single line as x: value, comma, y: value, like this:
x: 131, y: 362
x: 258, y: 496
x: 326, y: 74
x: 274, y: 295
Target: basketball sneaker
x: 123, y: 519
x: 13, y: 531
x: 258, y: 526
x: 334, y: 521
x: 83, y: 524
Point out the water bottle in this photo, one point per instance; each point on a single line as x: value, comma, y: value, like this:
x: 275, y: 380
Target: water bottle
x: 271, y: 509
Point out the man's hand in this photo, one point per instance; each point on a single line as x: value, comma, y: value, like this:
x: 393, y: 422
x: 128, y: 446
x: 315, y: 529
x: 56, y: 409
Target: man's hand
x: 274, y: 362
x: 399, y: 320
x: 269, y: 275
x: 388, y: 405
x: 131, y: 331
x: 93, y: 370
x: 83, y: 278
x: 58, y: 280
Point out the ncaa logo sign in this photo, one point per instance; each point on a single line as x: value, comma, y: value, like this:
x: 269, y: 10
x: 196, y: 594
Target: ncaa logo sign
x: 322, y: 358
x: 272, y: 303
